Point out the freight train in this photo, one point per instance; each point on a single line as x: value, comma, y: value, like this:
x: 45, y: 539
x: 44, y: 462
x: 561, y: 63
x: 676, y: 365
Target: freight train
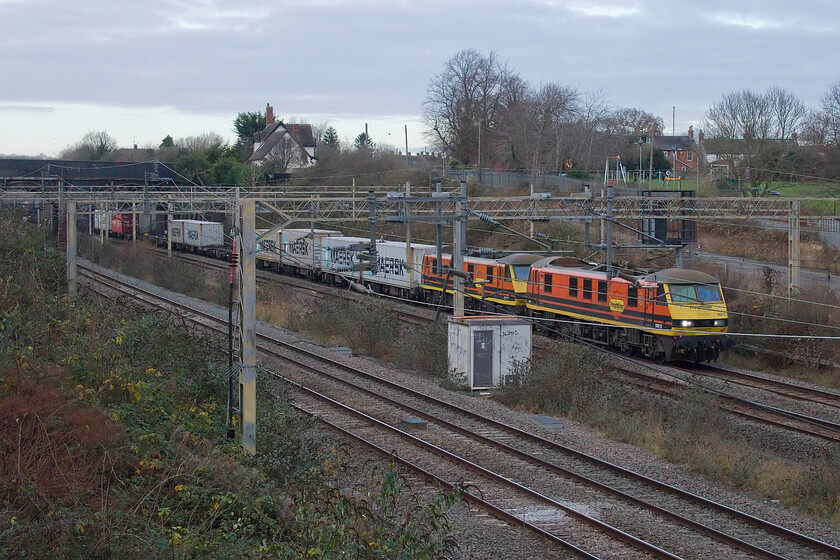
x: 669, y: 315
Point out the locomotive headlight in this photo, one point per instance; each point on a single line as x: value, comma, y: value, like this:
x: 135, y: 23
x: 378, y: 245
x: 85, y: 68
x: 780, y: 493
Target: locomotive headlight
x: 686, y: 323
x: 720, y: 322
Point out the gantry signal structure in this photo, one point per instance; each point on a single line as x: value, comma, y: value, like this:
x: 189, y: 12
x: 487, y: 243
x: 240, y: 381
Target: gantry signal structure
x: 287, y: 205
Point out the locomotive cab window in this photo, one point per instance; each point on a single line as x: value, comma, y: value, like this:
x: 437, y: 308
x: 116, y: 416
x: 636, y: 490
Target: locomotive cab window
x: 573, y: 287
x: 660, y: 295
x: 547, y: 280
x: 632, y: 295
x: 602, y: 291
x: 587, y: 288
x: 695, y: 293
x: 709, y: 292
x: 520, y: 272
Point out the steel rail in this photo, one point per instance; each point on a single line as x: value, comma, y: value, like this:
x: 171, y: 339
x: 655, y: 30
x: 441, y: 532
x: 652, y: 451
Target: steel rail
x: 781, y: 531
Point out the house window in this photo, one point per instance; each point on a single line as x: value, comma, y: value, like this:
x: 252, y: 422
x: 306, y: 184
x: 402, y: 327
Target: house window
x: 573, y: 287
x: 587, y: 288
x: 689, y: 156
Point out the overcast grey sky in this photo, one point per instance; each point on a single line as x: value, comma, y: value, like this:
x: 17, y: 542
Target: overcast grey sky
x: 142, y: 70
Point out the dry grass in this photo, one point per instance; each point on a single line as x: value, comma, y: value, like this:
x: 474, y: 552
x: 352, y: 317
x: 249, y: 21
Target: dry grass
x: 767, y: 245
x: 54, y: 450
x: 758, y: 303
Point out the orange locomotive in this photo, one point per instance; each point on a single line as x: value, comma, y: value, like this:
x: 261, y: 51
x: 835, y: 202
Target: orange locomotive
x: 673, y: 314
x: 494, y: 284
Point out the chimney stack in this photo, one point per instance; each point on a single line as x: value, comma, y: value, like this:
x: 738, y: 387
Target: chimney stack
x: 269, y: 114
x: 691, y: 131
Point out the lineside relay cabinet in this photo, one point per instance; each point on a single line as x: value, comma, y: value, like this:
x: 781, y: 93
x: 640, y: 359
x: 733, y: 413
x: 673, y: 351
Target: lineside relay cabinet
x: 483, y: 350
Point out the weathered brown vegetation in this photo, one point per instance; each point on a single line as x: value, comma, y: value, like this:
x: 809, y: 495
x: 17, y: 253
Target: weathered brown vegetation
x: 113, y: 443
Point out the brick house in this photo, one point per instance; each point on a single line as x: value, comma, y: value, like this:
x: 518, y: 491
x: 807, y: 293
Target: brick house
x: 683, y: 147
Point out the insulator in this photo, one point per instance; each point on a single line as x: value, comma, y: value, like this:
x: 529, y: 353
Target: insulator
x: 484, y: 217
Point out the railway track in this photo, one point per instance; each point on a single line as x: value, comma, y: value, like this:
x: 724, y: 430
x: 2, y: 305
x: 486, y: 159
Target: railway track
x: 555, y: 487
x: 755, y: 411
x: 782, y: 388
x: 752, y: 410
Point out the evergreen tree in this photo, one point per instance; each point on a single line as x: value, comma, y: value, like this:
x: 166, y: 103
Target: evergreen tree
x: 245, y: 126
x: 363, y: 142
x: 330, y: 139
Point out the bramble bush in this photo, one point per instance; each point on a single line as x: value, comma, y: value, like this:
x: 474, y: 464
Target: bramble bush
x: 114, y: 441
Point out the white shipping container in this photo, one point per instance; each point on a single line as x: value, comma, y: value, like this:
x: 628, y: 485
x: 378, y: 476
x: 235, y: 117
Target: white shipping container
x: 394, y: 265
x: 303, y: 248
x: 397, y: 267
x: 268, y: 249
x: 102, y: 220
x: 197, y: 233
x: 484, y: 350
x: 337, y: 255
x: 176, y: 231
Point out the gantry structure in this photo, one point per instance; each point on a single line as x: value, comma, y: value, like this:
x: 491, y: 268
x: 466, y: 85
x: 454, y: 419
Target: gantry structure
x: 341, y: 203
x: 287, y: 205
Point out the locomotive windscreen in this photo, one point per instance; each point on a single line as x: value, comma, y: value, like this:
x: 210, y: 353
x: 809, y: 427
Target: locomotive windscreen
x: 694, y: 293
x: 521, y: 272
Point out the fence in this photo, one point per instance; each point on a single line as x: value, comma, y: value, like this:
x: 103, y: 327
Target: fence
x: 827, y: 229
x: 506, y: 179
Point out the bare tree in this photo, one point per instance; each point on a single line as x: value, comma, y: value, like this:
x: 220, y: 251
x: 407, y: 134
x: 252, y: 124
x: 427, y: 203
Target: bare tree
x: 823, y: 127
x: 463, y: 103
x: 752, y: 133
x: 588, y: 126
x: 789, y: 112
x: 285, y: 155
x: 532, y: 127
x: 94, y: 145
x: 200, y: 143
x: 822, y: 130
x: 633, y: 122
x: 816, y: 130
x: 831, y: 110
